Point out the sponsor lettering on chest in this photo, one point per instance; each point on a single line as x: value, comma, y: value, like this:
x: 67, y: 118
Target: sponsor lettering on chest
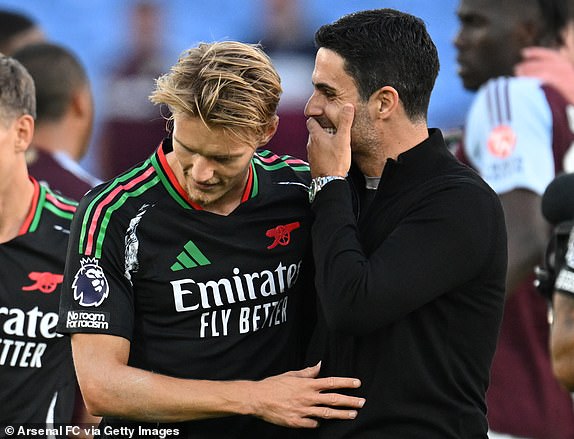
x: 240, y: 303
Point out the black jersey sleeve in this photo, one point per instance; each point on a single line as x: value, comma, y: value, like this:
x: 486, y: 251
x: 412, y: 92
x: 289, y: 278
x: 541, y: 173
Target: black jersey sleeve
x: 96, y: 292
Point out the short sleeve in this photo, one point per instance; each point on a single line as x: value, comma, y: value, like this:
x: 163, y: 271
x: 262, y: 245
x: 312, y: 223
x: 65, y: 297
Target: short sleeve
x: 97, y: 296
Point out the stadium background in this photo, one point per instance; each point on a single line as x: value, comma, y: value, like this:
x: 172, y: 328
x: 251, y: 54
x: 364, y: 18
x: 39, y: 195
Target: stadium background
x: 97, y: 31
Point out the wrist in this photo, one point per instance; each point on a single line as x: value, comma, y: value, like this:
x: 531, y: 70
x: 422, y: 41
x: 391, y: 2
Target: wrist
x: 565, y: 281
x: 318, y: 183
x: 248, y: 401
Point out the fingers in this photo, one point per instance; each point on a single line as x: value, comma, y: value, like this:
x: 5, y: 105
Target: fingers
x: 331, y: 413
x: 339, y: 400
x: 308, y: 372
x: 346, y: 117
x: 332, y: 383
x: 314, y: 128
x: 538, y: 52
x: 304, y: 423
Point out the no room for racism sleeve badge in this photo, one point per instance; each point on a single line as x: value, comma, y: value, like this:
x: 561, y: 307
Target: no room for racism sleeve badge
x: 90, y: 284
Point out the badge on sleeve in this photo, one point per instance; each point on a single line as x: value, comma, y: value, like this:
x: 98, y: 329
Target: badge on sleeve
x: 90, y: 284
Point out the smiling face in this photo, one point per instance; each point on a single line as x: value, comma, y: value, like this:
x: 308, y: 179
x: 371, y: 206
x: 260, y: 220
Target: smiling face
x: 333, y: 88
x: 211, y: 166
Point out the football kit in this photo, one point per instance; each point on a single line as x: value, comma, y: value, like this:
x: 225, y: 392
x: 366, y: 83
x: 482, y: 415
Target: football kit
x: 37, y: 381
x: 519, y: 136
x: 199, y: 295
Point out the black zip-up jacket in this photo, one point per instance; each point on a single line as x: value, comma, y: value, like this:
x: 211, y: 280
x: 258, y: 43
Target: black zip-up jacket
x: 411, y: 295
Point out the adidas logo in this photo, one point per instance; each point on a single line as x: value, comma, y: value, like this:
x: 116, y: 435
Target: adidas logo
x: 190, y: 257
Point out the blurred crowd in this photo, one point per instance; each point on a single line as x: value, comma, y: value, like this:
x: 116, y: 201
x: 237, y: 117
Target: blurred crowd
x: 125, y: 45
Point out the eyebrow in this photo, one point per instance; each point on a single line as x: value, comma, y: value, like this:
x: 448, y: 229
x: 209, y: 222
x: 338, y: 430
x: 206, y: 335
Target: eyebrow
x: 182, y: 144
x: 188, y: 148
x: 321, y: 86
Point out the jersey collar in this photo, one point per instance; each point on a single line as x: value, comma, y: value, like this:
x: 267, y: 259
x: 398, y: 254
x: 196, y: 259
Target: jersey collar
x: 33, y: 208
x: 174, y: 187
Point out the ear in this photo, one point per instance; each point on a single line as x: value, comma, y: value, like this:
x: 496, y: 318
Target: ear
x: 384, y: 102
x: 529, y: 34
x: 270, y: 132
x: 24, y: 126
x: 81, y: 103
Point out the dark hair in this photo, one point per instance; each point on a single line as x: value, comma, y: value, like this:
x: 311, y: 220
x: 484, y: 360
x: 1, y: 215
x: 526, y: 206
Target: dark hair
x: 555, y: 15
x: 57, y: 73
x: 385, y: 47
x: 17, y: 96
x: 12, y: 24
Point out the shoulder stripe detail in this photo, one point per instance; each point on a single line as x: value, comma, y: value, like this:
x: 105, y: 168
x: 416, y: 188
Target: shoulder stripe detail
x: 110, y: 210
x: 90, y: 208
x: 255, y: 185
x: 101, y: 207
x: 59, y: 206
x: 271, y: 162
x: 498, y: 102
x: 44, y: 198
x: 61, y: 203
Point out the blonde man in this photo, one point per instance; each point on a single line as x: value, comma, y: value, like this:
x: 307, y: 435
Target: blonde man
x: 186, y: 280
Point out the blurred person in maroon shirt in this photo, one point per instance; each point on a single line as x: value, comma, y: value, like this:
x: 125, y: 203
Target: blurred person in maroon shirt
x: 132, y: 126
x: 65, y: 118
x: 289, y: 43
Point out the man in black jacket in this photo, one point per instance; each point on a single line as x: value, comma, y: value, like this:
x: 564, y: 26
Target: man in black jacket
x: 409, y: 244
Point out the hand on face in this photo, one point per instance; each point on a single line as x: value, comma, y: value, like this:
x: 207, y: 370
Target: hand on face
x: 330, y: 154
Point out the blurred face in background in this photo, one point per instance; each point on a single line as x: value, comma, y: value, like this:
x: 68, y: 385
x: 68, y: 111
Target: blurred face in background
x: 490, y: 37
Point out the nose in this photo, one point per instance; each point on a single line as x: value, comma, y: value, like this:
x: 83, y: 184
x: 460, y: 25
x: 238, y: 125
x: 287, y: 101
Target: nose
x: 313, y: 107
x: 202, y: 169
x: 458, y: 40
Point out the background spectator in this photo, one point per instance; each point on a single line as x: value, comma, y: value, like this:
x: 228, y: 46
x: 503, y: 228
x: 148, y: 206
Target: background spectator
x: 17, y: 30
x: 98, y: 31
x: 132, y: 126
x: 516, y: 137
x: 64, y: 120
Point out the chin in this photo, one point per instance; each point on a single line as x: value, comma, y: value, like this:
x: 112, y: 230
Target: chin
x: 199, y: 198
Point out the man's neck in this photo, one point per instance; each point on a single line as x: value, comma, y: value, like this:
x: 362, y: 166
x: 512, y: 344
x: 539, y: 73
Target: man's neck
x: 392, y: 144
x: 15, y: 202
x: 49, y: 138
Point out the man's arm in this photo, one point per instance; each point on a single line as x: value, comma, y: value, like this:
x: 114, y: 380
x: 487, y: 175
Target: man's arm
x: 439, y: 245
x: 562, y: 339
x: 528, y: 235
x: 112, y: 388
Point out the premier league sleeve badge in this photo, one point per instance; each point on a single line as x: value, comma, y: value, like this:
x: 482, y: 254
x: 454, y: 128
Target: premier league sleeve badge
x: 90, y: 285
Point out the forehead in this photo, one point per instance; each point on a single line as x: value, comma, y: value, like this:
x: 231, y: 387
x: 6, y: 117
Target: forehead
x: 482, y: 8
x: 329, y: 70
x: 192, y: 134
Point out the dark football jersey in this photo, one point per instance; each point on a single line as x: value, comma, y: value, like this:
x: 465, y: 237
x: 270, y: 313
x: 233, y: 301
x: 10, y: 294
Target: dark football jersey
x: 37, y: 382
x: 199, y: 295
